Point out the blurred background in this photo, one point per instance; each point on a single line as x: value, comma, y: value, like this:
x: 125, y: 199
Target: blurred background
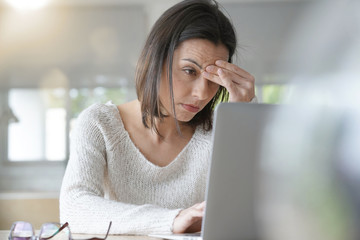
x: 57, y: 57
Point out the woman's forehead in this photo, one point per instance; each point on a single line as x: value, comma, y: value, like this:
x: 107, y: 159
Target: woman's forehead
x: 202, y: 51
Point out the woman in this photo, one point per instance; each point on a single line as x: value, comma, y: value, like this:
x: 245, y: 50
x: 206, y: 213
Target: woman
x: 143, y: 164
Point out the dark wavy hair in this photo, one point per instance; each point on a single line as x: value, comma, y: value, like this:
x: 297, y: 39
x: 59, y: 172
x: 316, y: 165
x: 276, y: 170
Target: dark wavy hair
x: 189, y: 19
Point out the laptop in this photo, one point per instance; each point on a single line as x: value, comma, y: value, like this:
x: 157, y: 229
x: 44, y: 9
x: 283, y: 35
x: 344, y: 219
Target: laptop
x: 233, y: 179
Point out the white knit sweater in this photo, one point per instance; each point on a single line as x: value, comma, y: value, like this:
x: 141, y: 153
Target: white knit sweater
x: 108, y: 178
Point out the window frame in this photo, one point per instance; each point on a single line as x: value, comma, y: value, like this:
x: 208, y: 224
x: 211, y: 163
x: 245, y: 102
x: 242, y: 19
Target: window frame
x: 24, y: 176
x: 5, y: 157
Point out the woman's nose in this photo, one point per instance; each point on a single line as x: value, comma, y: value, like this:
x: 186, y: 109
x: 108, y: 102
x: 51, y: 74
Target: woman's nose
x: 201, y: 88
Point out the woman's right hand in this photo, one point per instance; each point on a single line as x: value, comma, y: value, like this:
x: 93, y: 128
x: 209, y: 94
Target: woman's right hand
x: 189, y: 220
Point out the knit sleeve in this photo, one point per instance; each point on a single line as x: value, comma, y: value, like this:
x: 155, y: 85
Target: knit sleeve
x: 82, y: 198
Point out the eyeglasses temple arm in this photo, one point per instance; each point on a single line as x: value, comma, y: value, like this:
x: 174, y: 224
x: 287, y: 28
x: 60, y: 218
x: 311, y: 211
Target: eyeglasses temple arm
x: 59, y: 230
x: 107, y: 233
x: 95, y: 238
x: 108, y: 230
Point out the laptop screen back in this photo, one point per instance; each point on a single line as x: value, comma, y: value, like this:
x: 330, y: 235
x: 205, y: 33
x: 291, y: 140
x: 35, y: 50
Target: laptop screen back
x: 233, y: 177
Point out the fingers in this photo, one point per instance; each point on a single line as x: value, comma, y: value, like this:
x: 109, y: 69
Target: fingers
x: 237, y: 73
x: 238, y: 82
x: 189, y: 220
x: 200, y: 206
x: 229, y: 78
x: 195, y: 212
x: 233, y: 68
x: 221, y: 76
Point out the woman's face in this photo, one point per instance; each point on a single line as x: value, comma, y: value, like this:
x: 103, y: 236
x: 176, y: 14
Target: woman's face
x: 192, y: 92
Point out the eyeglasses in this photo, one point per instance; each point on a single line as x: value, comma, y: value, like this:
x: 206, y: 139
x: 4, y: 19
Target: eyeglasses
x: 24, y: 231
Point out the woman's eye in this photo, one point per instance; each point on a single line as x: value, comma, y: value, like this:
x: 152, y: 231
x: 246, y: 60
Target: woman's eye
x: 190, y: 71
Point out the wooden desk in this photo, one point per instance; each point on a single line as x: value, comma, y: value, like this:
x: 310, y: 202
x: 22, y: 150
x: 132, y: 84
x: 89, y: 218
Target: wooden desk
x: 5, y: 233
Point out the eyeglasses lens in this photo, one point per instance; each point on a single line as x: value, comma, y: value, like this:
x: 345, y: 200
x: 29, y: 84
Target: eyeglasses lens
x: 22, y: 231
x: 51, y: 231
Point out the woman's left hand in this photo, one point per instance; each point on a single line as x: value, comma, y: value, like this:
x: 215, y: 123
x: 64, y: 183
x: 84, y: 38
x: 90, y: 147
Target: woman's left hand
x: 238, y: 82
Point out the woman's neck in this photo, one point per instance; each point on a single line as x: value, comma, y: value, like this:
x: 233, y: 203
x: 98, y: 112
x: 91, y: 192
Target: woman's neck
x: 169, y: 130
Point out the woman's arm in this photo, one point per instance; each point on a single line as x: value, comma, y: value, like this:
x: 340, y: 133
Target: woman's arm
x: 82, y: 201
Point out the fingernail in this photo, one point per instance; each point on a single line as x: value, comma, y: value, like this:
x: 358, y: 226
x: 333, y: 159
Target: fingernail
x: 218, y: 62
x: 210, y: 68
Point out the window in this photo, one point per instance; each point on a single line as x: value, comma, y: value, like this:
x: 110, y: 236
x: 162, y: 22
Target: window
x: 40, y: 120
x: 41, y: 117
x: 273, y: 88
x: 35, y: 132
x: 274, y: 93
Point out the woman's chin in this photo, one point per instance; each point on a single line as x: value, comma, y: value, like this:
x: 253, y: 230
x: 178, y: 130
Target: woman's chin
x: 184, y: 119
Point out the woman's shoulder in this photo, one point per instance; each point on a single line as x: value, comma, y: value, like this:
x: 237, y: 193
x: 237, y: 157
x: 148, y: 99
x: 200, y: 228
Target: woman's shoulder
x: 99, y: 110
x: 99, y: 116
x: 99, y: 121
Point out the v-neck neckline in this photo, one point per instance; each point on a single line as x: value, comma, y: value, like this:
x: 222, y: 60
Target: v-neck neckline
x: 143, y: 158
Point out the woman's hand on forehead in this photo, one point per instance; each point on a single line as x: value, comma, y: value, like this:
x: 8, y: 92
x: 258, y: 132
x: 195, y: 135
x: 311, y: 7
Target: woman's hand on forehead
x: 239, y: 83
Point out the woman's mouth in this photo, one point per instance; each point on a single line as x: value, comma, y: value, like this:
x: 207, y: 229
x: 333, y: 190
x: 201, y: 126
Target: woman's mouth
x: 191, y: 108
